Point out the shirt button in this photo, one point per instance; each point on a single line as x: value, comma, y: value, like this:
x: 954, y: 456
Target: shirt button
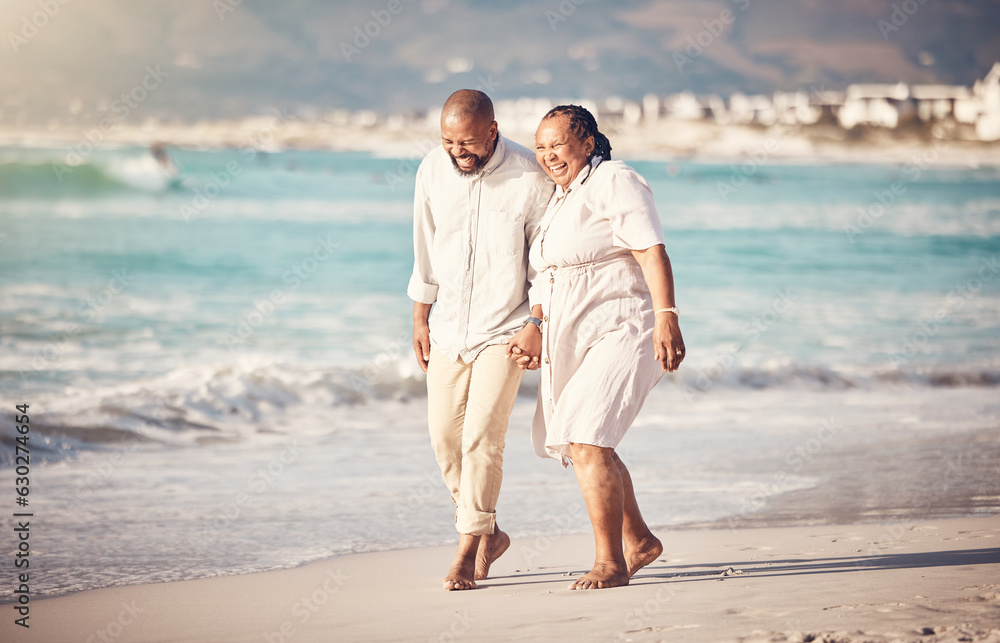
x: 546, y: 360
x: 552, y: 281
x: 545, y: 319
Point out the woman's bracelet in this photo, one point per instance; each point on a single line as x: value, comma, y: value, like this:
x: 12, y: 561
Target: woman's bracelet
x: 672, y: 309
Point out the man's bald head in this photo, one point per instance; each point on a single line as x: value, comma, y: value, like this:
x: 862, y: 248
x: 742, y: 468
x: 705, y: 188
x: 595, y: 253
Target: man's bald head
x: 468, y: 131
x: 468, y: 104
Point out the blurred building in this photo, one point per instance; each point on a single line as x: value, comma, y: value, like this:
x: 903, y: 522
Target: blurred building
x: 877, y: 105
x: 975, y: 111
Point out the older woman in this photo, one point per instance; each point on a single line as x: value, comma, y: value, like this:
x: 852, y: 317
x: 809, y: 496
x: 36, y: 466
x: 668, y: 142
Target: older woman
x: 610, y: 329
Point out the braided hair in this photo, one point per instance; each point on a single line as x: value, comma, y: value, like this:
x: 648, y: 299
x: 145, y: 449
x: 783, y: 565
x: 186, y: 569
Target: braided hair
x: 583, y: 124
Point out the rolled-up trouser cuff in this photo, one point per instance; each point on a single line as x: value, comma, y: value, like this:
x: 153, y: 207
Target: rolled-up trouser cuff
x: 477, y: 523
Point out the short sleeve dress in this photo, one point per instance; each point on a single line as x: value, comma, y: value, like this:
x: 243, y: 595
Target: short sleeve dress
x: 598, y: 362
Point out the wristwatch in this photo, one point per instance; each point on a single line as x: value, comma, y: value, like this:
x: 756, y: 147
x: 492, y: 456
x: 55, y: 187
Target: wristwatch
x: 536, y: 321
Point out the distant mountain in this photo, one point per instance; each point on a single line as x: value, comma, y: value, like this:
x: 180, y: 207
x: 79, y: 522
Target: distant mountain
x: 226, y: 58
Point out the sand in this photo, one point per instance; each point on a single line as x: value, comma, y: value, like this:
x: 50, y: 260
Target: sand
x: 928, y: 581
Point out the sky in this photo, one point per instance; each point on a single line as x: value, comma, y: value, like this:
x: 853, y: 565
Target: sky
x: 65, y: 61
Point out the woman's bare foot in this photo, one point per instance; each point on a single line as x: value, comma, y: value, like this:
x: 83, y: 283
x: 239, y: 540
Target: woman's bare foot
x: 463, y: 568
x: 491, y: 547
x: 643, y: 553
x: 602, y: 576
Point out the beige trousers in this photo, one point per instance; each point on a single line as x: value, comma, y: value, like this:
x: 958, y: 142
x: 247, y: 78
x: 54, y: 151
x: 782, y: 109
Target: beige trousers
x: 468, y: 406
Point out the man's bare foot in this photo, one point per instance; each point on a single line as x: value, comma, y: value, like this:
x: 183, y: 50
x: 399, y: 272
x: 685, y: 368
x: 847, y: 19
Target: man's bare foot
x: 463, y: 568
x: 491, y: 547
x: 459, y: 578
x: 602, y: 576
x: 460, y: 575
x: 642, y: 554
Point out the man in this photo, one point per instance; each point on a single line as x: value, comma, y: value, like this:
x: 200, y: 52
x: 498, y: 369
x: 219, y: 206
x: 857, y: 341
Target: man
x: 479, y: 199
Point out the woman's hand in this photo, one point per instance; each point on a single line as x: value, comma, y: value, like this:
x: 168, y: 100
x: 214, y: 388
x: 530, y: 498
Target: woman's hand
x: 668, y: 345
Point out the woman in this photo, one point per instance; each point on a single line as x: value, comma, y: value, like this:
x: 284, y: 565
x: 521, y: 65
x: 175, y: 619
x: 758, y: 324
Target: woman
x: 610, y: 329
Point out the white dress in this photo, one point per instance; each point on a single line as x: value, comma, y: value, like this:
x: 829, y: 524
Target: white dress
x: 598, y: 362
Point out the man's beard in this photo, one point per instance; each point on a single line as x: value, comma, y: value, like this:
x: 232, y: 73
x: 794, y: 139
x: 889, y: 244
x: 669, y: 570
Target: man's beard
x: 472, y: 172
x: 478, y: 166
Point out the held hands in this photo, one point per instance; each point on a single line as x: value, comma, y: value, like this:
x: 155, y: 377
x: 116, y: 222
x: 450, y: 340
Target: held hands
x: 668, y: 344
x: 526, y: 347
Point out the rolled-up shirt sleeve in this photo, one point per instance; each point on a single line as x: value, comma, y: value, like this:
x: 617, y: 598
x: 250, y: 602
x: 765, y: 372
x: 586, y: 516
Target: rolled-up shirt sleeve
x: 423, y: 286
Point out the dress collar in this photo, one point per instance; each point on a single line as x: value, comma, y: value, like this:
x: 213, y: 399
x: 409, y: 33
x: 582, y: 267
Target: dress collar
x: 581, y: 178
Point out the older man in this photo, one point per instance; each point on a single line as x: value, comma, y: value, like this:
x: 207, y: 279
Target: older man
x: 479, y: 199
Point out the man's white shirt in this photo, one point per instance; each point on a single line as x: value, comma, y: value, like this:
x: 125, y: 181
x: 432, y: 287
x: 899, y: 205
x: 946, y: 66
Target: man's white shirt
x: 470, y: 240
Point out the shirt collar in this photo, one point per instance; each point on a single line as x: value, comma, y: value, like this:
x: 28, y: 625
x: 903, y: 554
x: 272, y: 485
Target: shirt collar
x: 497, y: 158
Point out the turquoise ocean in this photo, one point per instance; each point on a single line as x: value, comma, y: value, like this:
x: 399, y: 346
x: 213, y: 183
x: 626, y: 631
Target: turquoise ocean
x: 220, y: 378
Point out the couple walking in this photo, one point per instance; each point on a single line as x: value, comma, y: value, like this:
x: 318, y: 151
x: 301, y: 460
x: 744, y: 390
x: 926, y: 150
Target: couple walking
x: 552, y: 261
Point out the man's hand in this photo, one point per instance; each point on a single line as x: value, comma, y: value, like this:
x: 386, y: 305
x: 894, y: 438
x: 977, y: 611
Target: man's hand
x: 421, y: 334
x: 526, y: 347
x: 422, y: 344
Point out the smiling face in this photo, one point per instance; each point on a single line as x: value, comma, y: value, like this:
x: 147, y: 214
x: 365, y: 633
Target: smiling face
x: 559, y: 151
x: 469, y: 141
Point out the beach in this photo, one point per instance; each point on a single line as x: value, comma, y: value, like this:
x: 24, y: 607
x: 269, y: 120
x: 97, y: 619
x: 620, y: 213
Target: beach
x: 933, y: 580
x: 894, y: 538
x: 213, y: 423
x: 225, y: 409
